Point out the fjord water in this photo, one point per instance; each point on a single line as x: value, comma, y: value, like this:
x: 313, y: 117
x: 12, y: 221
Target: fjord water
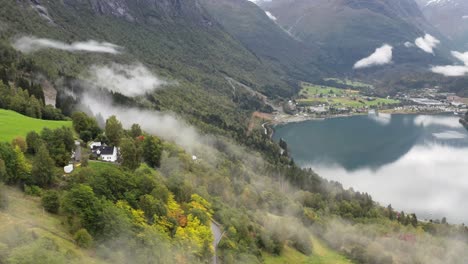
x: 417, y: 163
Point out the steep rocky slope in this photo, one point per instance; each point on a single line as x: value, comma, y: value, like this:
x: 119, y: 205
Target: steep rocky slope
x: 352, y: 29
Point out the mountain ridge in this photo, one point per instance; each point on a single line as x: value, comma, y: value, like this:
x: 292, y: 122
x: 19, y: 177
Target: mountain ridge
x: 359, y: 26
x: 450, y: 17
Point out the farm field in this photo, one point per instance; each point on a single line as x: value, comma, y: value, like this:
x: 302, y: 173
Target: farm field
x: 13, y: 124
x: 354, y: 84
x: 318, y: 94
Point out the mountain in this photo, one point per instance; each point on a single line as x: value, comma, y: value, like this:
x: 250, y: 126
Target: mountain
x: 450, y: 17
x: 260, y: 33
x: 349, y: 30
x: 178, y: 40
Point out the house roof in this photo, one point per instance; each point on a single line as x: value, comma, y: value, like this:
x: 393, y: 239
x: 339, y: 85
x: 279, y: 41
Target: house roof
x: 107, y: 150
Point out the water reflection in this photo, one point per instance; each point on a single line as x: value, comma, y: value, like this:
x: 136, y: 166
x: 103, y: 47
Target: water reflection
x: 415, y: 162
x: 429, y: 180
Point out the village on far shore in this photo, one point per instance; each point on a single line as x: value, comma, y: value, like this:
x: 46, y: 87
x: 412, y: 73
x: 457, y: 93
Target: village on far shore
x: 340, y: 98
x: 321, y: 101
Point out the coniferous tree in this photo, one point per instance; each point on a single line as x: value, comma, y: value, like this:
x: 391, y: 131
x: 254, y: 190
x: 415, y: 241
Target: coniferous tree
x: 152, y: 150
x: 114, y: 130
x: 135, y: 131
x: 33, y: 141
x: 414, y: 220
x: 43, y: 167
x: 130, y: 154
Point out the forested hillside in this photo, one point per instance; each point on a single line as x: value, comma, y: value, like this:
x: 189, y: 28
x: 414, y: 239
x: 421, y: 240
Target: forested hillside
x: 127, y: 75
x: 184, y: 46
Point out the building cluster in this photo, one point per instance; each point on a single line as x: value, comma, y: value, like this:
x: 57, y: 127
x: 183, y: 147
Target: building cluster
x: 431, y: 100
x: 103, y: 152
x: 99, y: 151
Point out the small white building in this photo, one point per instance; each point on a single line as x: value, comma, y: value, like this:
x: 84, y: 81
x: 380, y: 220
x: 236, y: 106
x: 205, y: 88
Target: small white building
x: 109, y: 154
x: 95, y: 144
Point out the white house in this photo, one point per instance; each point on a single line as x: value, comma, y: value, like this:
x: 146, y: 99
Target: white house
x: 109, y: 154
x: 95, y: 144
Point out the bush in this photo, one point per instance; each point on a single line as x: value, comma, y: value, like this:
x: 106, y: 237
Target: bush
x: 51, y: 202
x: 302, y: 243
x: 21, y: 143
x: 33, y: 190
x: 83, y: 238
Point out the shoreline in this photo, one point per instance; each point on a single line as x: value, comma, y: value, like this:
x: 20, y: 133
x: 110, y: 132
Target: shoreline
x: 287, y: 119
x: 283, y: 119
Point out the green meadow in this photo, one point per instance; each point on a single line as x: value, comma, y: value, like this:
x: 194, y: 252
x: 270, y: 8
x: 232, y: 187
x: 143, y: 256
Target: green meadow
x: 13, y: 124
x: 312, y: 94
x: 354, y: 84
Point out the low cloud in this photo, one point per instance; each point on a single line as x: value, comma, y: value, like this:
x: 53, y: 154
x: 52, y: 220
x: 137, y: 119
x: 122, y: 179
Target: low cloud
x: 454, y: 70
x: 408, y: 44
x: 166, y: 125
x: 450, y: 70
x: 381, y: 243
x: 461, y: 56
x: 427, y: 43
x: 132, y: 80
x: 33, y: 44
x: 381, y: 56
x: 271, y: 16
x: 129, y: 80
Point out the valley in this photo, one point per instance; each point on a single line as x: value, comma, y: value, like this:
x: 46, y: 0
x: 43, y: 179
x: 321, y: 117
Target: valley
x: 233, y: 131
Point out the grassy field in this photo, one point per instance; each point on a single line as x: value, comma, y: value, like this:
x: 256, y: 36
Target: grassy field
x: 354, y: 84
x: 24, y: 215
x: 318, y: 94
x: 13, y: 124
x: 322, y: 254
x: 311, y: 89
x: 99, y: 166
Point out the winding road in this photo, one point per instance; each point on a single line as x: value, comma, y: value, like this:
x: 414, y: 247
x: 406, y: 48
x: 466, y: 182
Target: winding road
x: 218, y: 234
